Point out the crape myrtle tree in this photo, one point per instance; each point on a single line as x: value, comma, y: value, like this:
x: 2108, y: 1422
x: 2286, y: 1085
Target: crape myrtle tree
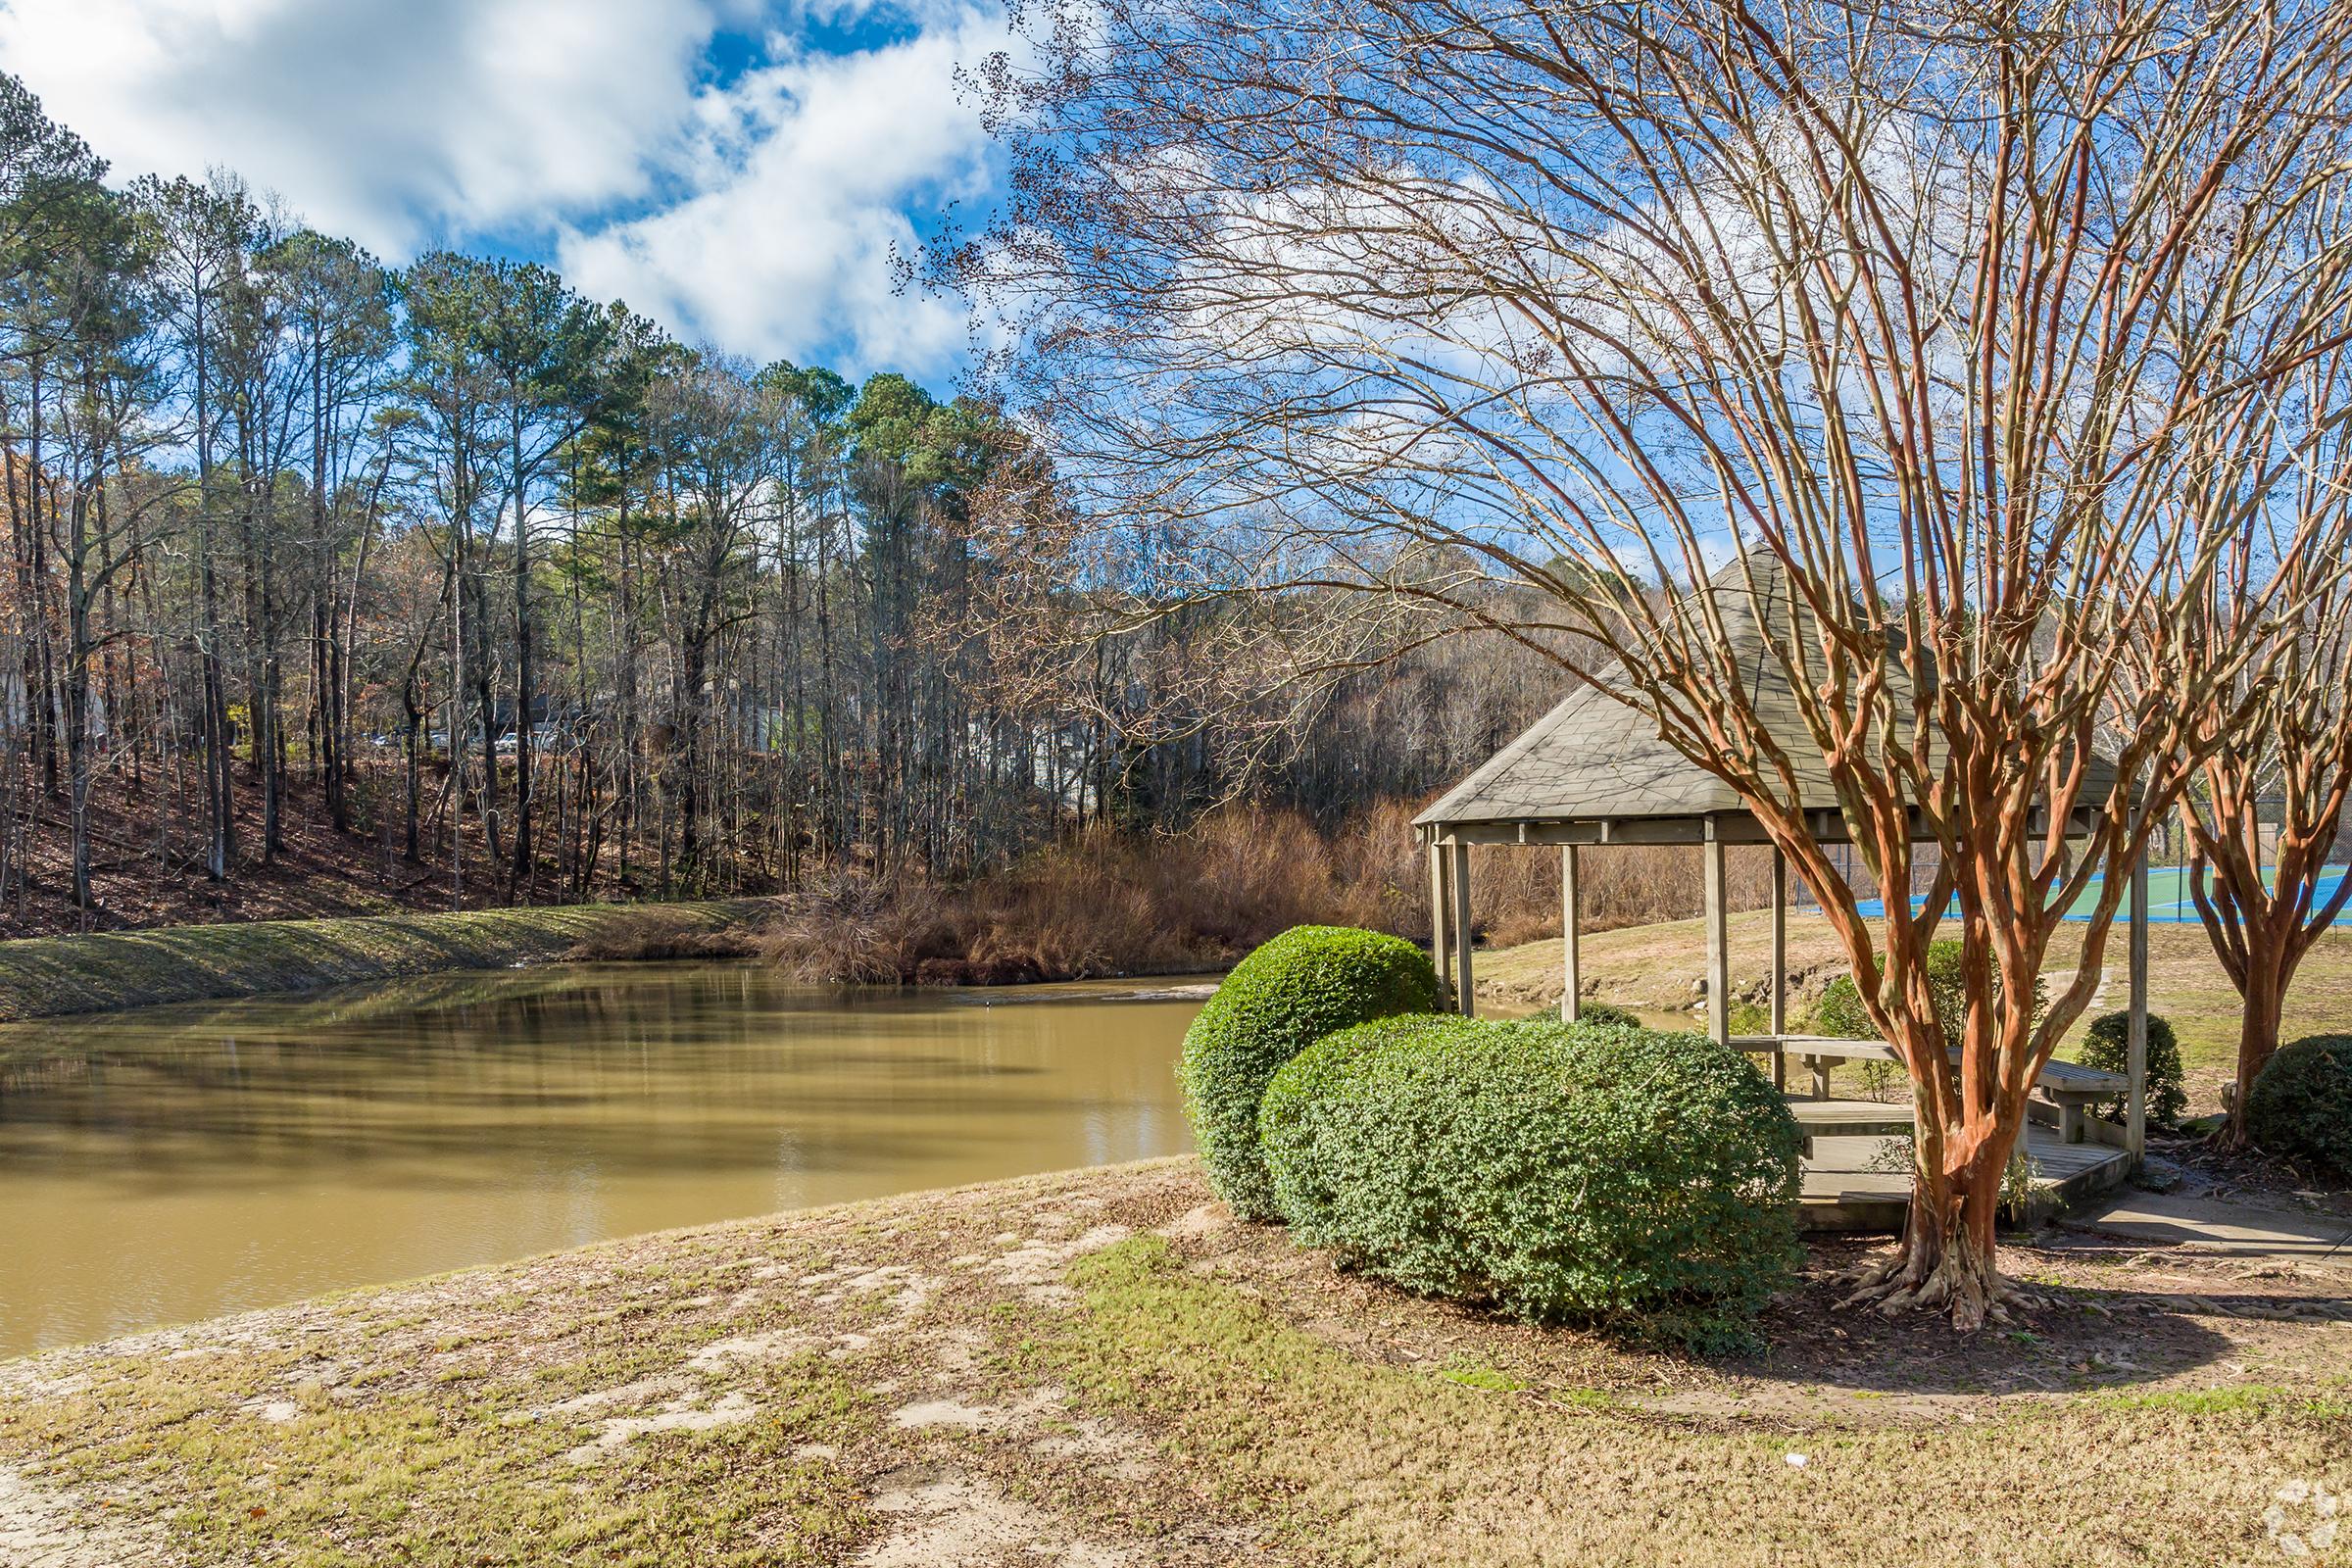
x: 2266, y: 804
x: 1934, y: 316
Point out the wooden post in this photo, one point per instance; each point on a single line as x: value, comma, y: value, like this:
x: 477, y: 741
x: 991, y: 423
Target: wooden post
x: 1719, y: 958
x: 1441, y: 915
x: 1780, y: 962
x: 2135, y: 1103
x: 1571, y: 971
x: 1465, y: 988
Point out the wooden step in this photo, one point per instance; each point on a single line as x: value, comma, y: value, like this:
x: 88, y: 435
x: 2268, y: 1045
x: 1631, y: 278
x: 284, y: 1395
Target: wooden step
x: 1851, y: 1119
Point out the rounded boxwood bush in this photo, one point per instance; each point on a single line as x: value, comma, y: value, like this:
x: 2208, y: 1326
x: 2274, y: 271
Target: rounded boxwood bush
x: 1548, y: 1169
x: 2301, y: 1103
x: 1289, y: 992
x: 1606, y: 1015
x: 2108, y: 1048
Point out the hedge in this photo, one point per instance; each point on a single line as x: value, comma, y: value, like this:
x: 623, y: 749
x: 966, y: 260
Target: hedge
x: 1546, y: 1169
x: 1303, y: 985
x: 2301, y: 1104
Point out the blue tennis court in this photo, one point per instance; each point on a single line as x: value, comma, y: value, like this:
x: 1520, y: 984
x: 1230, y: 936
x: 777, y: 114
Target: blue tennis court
x: 2168, y: 899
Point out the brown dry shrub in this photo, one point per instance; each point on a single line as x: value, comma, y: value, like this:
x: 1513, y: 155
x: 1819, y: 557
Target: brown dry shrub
x: 657, y: 934
x: 1110, y: 903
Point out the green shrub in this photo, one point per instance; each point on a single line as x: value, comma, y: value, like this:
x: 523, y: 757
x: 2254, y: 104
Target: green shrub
x: 1606, y: 1015
x: 2301, y: 1104
x: 1290, y: 991
x: 1548, y: 1169
x: 2108, y: 1048
x: 1838, y: 1013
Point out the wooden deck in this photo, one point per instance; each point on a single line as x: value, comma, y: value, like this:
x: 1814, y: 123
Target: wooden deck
x: 1843, y: 1193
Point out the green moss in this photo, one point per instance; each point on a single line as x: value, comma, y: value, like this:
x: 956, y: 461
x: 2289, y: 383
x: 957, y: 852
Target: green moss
x: 46, y: 976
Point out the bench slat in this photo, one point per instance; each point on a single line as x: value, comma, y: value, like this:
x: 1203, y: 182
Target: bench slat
x: 2058, y: 1078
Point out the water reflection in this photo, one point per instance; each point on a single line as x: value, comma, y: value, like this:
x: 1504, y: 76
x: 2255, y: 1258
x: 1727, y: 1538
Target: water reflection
x: 168, y: 1165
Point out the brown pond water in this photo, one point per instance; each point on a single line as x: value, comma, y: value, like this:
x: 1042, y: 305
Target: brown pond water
x: 173, y: 1163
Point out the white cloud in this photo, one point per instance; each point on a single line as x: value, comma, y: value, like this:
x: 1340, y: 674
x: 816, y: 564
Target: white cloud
x: 806, y: 171
x: 397, y: 121
x: 760, y: 215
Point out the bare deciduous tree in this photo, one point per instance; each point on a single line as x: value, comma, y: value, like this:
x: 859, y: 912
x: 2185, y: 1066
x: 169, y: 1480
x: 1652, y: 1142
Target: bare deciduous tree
x: 2270, y: 896
x: 1933, y: 316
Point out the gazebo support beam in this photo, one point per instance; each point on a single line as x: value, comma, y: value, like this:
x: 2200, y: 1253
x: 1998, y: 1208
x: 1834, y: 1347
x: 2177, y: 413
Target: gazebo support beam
x: 1719, y: 955
x: 1465, y: 987
x: 1440, y: 913
x: 1780, y: 962
x: 1571, y: 971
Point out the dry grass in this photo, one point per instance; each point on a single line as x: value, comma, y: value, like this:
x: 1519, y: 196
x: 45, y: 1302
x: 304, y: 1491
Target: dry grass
x: 665, y: 931
x: 1102, y: 1368
x: 1111, y: 904
x: 1104, y: 905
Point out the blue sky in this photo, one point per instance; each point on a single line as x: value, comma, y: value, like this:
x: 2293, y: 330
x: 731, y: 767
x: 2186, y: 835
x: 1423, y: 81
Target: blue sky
x: 739, y: 171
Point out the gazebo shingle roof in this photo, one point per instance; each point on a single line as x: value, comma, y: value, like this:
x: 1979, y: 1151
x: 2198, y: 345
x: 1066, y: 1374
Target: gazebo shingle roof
x: 1597, y: 762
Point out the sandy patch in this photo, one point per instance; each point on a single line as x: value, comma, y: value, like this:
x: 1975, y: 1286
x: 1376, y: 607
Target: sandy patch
x: 776, y: 1345
x: 44, y: 1529
x: 676, y: 1416
x: 1041, y: 1261
x: 639, y: 1392
x: 953, y: 1521
x: 948, y: 1413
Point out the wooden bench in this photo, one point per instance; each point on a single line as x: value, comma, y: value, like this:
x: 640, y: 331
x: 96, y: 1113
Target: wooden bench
x: 2068, y: 1091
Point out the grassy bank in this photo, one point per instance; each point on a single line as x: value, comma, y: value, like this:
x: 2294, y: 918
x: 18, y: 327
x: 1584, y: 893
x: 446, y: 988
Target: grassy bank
x: 46, y: 976
x: 1101, y: 1368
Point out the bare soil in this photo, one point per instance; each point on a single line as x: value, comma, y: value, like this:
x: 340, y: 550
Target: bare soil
x: 1104, y: 1368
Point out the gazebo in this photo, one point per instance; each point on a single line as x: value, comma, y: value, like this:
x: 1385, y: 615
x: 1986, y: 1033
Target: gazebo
x: 1593, y: 772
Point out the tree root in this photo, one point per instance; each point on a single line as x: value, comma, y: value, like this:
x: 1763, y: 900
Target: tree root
x: 1896, y: 1286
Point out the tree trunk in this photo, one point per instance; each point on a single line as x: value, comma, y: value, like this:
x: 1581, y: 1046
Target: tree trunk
x: 519, y: 879
x: 1948, y: 1260
x: 2268, y: 968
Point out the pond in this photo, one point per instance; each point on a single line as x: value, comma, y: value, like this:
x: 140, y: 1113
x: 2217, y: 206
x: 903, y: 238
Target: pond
x: 171, y: 1163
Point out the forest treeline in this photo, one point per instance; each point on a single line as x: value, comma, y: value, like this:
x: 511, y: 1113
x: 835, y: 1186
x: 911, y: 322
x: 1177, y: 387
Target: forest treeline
x: 542, y: 603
